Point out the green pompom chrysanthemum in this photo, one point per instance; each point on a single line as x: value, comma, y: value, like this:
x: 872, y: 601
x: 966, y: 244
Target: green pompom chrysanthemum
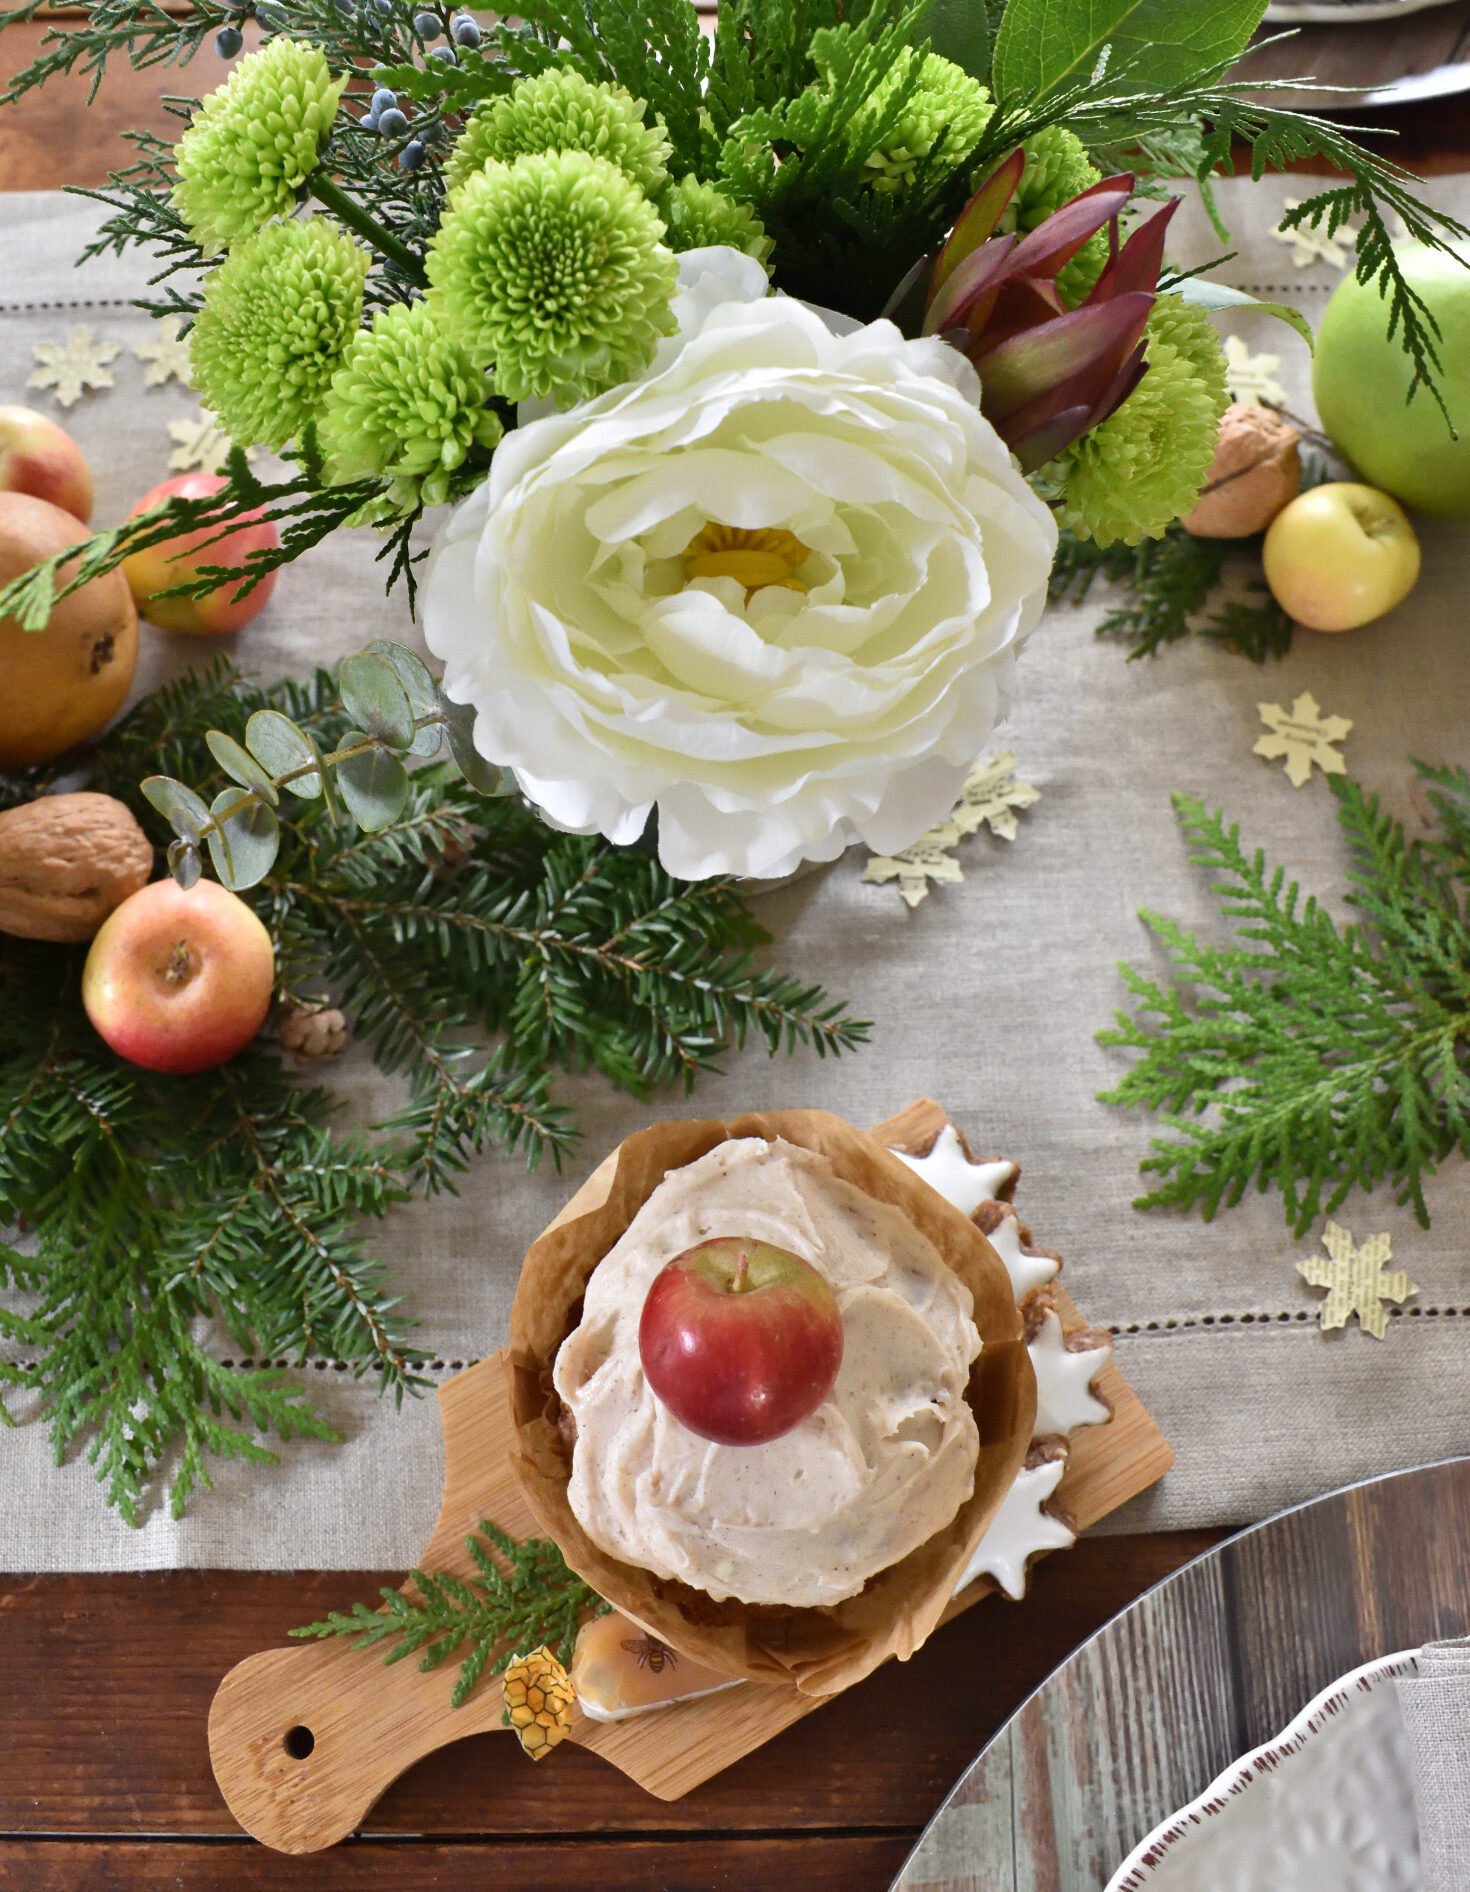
x: 944, y: 118
x: 559, y: 110
x: 552, y: 268
x: 254, y: 142
x: 277, y: 316
x: 699, y: 214
x: 1137, y: 472
x: 407, y: 402
x: 1057, y: 170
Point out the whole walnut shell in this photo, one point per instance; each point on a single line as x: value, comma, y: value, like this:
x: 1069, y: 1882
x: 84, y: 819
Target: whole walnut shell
x: 65, y: 862
x: 1257, y: 470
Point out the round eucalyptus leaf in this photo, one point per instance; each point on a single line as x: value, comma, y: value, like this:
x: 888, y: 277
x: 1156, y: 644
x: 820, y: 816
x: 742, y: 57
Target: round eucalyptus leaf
x: 375, y: 700
x: 419, y: 687
x: 184, y: 863
x: 183, y: 810
x: 280, y: 747
x: 240, y: 765
x: 244, y: 840
x: 374, y: 785
x: 481, y: 774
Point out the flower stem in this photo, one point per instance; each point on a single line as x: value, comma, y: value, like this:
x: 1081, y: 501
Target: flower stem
x: 356, y: 218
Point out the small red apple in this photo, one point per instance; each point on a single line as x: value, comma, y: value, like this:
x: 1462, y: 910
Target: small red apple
x: 740, y: 1340
x: 42, y: 459
x: 175, y: 561
x: 179, y: 981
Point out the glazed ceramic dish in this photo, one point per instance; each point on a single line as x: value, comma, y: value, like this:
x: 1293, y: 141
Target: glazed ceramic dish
x: 1327, y: 1806
x: 1342, y: 12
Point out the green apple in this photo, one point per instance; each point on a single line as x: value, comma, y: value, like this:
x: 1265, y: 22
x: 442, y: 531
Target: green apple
x: 1361, y: 381
x: 1340, y: 555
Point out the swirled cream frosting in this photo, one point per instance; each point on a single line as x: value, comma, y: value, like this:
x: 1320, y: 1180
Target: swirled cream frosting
x: 882, y: 1464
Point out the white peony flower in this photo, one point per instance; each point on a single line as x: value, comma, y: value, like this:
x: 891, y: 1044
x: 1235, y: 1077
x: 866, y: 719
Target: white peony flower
x: 776, y: 587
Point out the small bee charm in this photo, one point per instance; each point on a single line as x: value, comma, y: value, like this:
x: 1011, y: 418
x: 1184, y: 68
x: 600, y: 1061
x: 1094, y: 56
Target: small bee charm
x: 650, y: 1653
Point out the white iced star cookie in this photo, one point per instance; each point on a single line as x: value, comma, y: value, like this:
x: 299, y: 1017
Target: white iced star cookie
x: 1021, y: 1528
x: 949, y: 1170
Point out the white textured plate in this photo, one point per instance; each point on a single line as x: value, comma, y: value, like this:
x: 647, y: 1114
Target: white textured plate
x: 1327, y: 1806
x: 1341, y: 12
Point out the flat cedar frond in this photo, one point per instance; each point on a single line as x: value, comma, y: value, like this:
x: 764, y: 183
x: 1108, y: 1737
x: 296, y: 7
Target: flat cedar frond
x: 502, y: 1613
x: 1171, y: 580
x: 1306, y: 1057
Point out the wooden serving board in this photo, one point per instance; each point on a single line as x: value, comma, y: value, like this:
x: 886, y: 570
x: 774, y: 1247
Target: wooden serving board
x: 304, y: 1739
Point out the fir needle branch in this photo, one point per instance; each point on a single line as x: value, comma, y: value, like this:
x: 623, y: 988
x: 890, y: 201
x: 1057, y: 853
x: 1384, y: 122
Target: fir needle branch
x: 501, y: 1612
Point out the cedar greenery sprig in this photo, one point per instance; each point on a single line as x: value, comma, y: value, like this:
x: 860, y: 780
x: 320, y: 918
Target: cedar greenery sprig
x: 153, y: 1202
x: 1306, y: 1057
x: 534, y: 1600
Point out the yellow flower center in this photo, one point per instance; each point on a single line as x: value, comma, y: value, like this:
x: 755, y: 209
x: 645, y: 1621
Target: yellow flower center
x: 768, y: 555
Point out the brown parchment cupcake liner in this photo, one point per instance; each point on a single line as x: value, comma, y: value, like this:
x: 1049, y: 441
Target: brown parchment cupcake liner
x: 823, y: 1650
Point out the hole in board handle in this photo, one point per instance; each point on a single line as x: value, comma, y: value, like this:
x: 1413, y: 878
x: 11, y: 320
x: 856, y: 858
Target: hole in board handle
x: 299, y: 1742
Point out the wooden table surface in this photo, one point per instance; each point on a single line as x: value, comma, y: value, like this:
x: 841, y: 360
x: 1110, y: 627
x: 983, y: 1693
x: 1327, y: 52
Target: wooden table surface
x: 104, y: 1774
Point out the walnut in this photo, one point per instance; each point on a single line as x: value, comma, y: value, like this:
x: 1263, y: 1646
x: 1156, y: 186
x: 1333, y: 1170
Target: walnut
x: 1257, y: 470
x: 313, y: 1030
x: 65, y: 862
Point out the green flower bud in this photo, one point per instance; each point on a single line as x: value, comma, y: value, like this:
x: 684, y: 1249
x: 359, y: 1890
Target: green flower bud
x: 408, y: 403
x: 552, y: 269
x: 277, y: 316
x: 700, y: 214
x: 559, y: 110
x: 1143, y: 467
x: 254, y: 142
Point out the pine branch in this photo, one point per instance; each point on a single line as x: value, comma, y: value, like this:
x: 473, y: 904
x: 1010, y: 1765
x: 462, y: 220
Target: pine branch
x: 1304, y: 1057
x: 504, y: 1612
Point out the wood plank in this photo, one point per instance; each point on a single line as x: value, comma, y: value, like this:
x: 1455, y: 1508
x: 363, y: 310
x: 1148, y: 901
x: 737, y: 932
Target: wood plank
x: 833, y: 1863
x: 126, y: 1665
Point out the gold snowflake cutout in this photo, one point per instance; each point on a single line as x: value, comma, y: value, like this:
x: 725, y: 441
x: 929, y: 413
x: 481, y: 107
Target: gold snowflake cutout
x: 1355, y: 1280
x: 167, y: 358
x: 1304, y: 736
x: 200, y: 443
x: 990, y: 795
x: 914, y: 867
x: 72, y: 366
x: 1252, y: 377
x: 1311, y: 245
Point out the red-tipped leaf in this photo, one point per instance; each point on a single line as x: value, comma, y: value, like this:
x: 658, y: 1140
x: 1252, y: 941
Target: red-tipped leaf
x: 1040, y: 358
x: 1041, y: 428
x: 1137, y: 264
x: 1053, y: 244
x: 981, y: 270
x: 976, y: 222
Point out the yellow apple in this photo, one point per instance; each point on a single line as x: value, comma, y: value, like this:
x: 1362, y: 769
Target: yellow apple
x: 1340, y: 555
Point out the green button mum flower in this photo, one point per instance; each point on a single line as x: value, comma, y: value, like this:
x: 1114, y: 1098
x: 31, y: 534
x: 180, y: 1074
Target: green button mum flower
x: 559, y: 110
x: 407, y: 402
x: 1132, y: 476
x: 552, y: 269
x: 277, y: 316
x: 945, y: 117
x: 701, y: 214
x: 254, y: 143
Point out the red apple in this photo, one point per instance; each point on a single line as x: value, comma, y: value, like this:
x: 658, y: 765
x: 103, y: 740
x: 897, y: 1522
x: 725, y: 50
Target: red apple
x: 740, y: 1340
x: 179, y: 981
x: 42, y: 459
x: 178, y: 560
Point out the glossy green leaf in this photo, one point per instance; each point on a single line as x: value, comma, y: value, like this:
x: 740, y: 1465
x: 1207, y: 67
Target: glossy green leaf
x: 486, y: 776
x: 959, y: 30
x: 184, y: 811
x: 1218, y: 295
x: 373, y: 784
x: 240, y: 765
x: 281, y: 747
x: 375, y: 700
x: 1047, y: 45
x: 421, y: 690
x: 243, y: 843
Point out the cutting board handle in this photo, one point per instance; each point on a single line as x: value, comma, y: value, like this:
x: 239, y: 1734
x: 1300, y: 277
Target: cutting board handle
x: 304, y: 1740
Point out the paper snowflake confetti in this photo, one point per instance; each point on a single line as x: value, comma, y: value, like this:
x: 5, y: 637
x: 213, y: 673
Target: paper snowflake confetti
x: 72, y: 366
x: 1252, y: 377
x: 990, y: 796
x: 1311, y: 245
x: 167, y: 358
x: 1355, y: 1280
x: 1304, y: 736
x: 202, y: 443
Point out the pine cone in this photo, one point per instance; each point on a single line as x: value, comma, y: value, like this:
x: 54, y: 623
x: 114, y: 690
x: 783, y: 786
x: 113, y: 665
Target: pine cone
x: 314, y: 1031
x: 538, y: 1701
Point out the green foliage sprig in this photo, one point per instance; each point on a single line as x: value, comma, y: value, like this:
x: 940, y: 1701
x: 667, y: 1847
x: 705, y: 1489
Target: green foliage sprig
x: 1306, y: 1057
x: 154, y: 1201
x: 534, y: 1600
x: 1171, y: 581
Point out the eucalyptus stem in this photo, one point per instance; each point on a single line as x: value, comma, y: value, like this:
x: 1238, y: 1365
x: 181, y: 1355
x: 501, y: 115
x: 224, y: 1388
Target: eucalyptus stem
x: 367, y: 226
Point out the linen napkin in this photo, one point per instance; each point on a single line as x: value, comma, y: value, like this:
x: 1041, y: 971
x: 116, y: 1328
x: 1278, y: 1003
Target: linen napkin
x: 1435, y: 1702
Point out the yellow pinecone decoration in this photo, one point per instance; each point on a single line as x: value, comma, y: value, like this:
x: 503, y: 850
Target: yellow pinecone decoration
x: 538, y: 1701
